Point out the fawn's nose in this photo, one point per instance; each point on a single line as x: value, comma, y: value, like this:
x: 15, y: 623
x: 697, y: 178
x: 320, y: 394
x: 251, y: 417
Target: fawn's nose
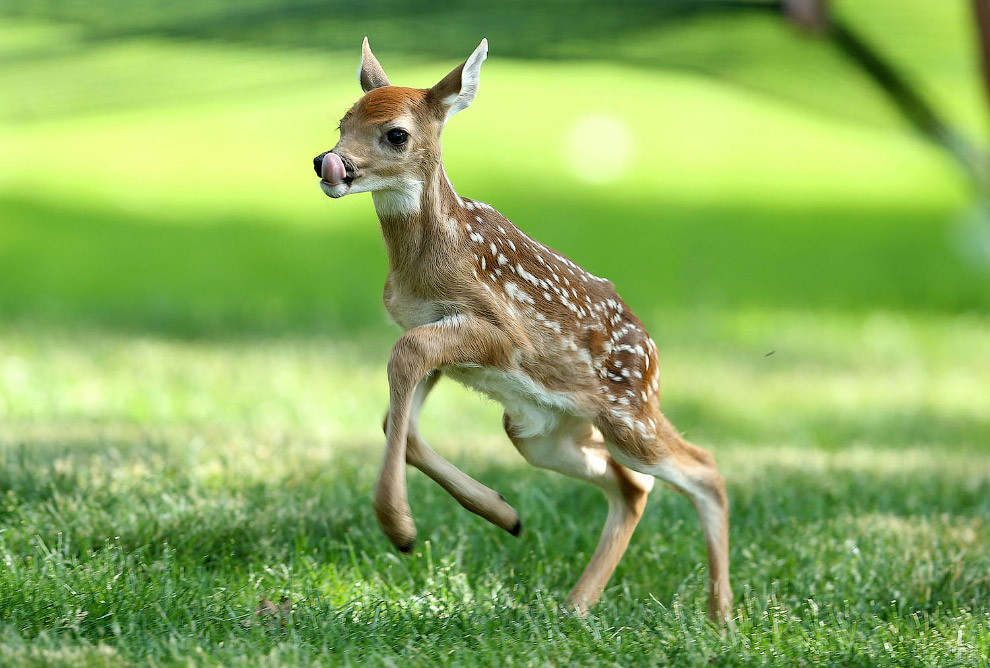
x: 318, y: 164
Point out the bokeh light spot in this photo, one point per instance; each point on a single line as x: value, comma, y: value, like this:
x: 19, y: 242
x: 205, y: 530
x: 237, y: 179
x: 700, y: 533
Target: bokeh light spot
x: 599, y: 148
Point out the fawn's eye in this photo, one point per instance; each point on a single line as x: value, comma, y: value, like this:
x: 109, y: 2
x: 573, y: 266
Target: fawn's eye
x: 396, y: 137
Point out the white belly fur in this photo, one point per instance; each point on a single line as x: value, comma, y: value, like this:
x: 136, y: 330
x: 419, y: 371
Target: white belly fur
x: 533, y: 409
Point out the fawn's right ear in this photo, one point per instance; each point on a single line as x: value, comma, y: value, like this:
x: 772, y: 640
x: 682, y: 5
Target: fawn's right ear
x: 456, y: 91
x: 371, y: 75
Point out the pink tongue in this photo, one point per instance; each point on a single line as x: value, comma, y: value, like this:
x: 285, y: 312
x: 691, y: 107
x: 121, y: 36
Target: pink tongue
x: 333, y: 169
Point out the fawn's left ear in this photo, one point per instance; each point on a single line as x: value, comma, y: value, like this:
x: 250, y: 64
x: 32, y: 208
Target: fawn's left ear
x: 456, y: 91
x: 371, y: 75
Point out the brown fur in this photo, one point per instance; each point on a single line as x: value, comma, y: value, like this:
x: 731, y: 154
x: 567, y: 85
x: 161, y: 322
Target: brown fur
x: 383, y: 104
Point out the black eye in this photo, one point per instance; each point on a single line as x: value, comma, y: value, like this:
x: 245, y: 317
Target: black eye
x: 396, y: 137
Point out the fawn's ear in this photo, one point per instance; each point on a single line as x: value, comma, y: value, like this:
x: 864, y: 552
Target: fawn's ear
x: 456, y: 91
x: 371, y: 75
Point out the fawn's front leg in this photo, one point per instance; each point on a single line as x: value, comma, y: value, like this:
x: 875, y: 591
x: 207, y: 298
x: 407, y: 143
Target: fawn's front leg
x: 468, y: 492
x: 457, y: 339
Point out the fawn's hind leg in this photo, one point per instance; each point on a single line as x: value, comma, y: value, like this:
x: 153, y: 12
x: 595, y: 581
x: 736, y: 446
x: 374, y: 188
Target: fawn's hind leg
x: 660, y: 451
x: 576, y: 448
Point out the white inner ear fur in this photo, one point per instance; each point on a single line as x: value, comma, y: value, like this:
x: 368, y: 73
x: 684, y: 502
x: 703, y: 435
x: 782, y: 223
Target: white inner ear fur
x: 470, y: 76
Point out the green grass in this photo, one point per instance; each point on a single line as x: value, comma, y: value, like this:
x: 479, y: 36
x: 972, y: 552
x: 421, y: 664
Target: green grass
x: 145, y: 512
x: 192, y: 343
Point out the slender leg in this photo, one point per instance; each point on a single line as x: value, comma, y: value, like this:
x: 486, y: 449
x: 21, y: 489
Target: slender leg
x: 453, y: 340
x: 470, y: 493
x: 576, y: 449
x: 691, y: 471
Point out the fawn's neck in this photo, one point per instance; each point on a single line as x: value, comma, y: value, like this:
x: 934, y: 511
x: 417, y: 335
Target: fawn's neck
x: 418, y: 223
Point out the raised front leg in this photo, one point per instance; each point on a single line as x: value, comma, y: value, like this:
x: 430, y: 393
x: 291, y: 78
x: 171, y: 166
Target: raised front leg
x: 470, y: 493
x: 457, y: 339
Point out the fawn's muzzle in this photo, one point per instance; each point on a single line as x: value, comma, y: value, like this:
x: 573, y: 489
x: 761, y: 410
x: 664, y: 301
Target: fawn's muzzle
x: 330, y: 168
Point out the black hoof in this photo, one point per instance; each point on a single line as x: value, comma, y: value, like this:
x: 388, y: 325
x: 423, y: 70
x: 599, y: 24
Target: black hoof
x: 407, y: 548
x: 516, y: 528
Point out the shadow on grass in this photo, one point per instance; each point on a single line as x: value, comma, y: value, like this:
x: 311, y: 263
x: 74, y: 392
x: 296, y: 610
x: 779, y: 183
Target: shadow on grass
x: 107, y: 268
x: 445, y: 28
x: 328, y: 506
x: 226, y: 276
x: 742, y: 43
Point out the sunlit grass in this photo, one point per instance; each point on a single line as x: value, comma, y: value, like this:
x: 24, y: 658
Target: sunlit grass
x: 183, y: 144
x: 887, y: 373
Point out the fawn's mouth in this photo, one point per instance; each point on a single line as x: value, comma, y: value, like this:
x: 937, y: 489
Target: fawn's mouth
x: 336, y: 190
x: 336, y: 174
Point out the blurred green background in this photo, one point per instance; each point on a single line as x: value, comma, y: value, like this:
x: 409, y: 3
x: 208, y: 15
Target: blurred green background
x: 156, y: 171
x: 193, y: 345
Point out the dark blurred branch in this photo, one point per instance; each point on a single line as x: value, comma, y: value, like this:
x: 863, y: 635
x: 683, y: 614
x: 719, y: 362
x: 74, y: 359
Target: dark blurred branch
x: 810, y: 15
x: 981, y: 12
x: 813, y: 16
x: 906, y: 97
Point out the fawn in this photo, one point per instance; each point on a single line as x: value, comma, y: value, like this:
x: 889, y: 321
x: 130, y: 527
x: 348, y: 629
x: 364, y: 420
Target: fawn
x: 485, y: 304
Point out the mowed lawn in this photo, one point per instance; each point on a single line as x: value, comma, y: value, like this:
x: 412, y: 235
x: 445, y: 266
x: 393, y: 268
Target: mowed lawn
x: 192, y: 352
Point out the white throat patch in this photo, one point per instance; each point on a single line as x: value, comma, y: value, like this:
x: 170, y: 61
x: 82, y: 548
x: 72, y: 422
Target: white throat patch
x: 402, y: 201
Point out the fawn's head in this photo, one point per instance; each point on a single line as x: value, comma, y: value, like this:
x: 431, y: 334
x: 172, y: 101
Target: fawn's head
x: 390, y: 138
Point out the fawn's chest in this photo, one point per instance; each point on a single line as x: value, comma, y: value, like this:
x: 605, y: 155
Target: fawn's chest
x: 408, y: 308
